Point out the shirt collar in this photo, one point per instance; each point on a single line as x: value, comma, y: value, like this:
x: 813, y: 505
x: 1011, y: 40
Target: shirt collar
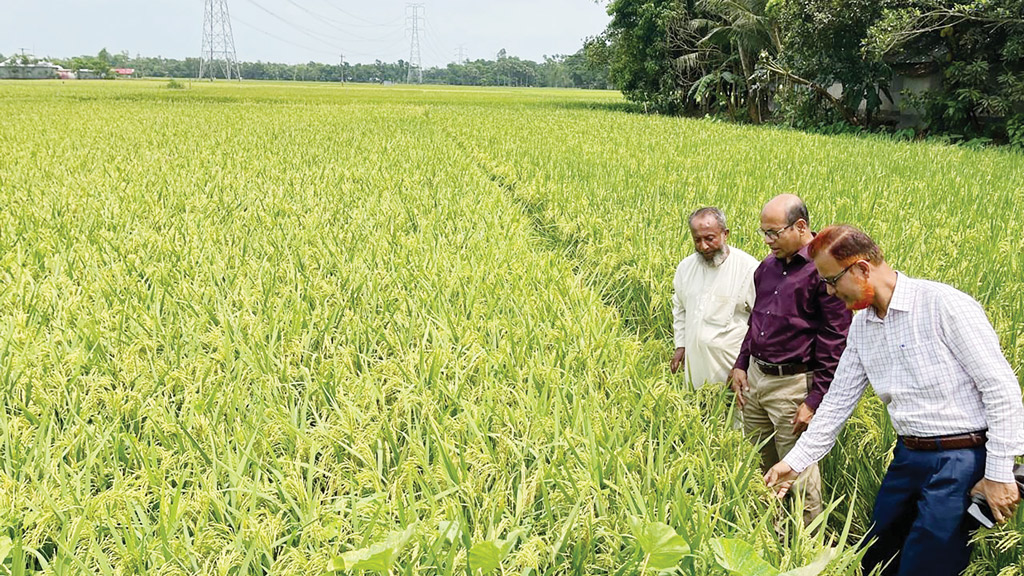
x: 804, y: 253
x: 799, y: 258
x: 903, y: 294
x: 902, y: 298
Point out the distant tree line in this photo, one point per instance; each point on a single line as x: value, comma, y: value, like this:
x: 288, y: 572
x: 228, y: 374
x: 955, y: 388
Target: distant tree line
x: 587, y: 68
x: 825, y: 63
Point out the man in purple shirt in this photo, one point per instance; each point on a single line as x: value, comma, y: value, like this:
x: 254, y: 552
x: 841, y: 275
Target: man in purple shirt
x: 796, y: 334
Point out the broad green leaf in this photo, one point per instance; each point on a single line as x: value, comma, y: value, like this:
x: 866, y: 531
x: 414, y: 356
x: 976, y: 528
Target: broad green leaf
x: 5, y: 547
x: 484, y: 556
x: 377, y: 557
x: 506, y: 545
x: 336, y: 564
x: 449, y: 530
x: 739, y: 558
x: 487, y: 555
x: 663, y: 547
x: 816, y: 567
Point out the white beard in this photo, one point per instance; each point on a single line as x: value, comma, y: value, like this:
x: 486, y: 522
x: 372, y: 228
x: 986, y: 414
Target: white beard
x: 718, y: 259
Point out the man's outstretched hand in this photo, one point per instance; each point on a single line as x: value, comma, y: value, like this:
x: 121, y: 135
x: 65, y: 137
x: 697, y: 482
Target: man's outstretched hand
x: 781, y: 478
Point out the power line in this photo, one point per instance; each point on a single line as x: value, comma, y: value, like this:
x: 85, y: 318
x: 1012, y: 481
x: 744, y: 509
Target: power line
x: 428, y: 34
x: 415, y: 19
x: 304, y: 30
x: 339, y: 26
x: 388, y: 51
x: 323, y: 39
x: 367, y: 23
x: 276, y: 37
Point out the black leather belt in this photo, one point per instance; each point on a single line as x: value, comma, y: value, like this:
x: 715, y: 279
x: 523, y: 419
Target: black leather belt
x: 773, y: 369
x: 951, y: 442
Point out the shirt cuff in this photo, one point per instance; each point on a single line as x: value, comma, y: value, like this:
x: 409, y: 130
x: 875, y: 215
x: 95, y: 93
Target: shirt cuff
x: 797, y: 460
x: 999, y: 468
x: 743, y: 363
x: 814, y: 399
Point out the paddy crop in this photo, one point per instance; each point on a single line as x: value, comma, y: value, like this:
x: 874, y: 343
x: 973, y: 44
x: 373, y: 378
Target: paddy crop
x: 254, y: 328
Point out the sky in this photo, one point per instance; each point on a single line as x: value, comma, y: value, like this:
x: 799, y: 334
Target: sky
x: 299, y: 31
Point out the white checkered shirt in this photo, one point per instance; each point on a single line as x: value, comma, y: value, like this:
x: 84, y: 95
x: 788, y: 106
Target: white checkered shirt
x: 934, y: 360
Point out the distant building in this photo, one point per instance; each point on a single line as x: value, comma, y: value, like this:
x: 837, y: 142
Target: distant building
x: 87, y: 74
x: 124, y: 72
x: 11, y: 70
x: 910, y: 78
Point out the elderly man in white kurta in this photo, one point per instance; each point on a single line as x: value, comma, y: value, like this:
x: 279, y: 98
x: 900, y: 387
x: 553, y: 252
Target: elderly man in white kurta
x: 714, y: 293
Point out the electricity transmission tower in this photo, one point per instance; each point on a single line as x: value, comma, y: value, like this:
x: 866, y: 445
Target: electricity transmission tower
x: 218, y: 42
x: 460, y: 54
x: 415, y: 64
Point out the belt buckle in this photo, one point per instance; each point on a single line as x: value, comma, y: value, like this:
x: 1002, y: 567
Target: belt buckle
x: 769, y: 368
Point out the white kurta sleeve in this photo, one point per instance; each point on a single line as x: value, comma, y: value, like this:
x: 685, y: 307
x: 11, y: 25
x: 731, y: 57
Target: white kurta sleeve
x: 679, y: 307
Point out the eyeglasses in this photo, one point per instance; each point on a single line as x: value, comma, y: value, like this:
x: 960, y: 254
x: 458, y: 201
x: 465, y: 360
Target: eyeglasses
x: 832, y: 280
x: 774, y: 234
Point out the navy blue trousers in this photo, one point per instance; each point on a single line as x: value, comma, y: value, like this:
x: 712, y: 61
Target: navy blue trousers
x: 920, y: 517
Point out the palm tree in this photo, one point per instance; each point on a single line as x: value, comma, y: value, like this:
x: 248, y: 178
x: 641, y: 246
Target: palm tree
x: 731, y: 32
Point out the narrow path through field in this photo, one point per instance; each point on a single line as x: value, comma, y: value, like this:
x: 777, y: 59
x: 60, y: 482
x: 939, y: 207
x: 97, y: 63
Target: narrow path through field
x: 572, y: 247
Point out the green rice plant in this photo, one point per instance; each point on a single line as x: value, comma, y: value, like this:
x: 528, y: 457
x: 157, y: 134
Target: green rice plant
x: 614, y: 191
x: 250, y: 329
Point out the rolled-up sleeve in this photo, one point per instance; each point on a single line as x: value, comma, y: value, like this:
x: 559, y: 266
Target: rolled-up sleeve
x: 975, y: 344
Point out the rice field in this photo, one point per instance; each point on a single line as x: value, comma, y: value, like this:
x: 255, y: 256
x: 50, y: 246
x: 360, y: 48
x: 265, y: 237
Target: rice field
x: 293, y: 329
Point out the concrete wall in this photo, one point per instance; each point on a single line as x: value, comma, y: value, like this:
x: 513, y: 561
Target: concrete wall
x: 916, y: 84
x: 27, y: 72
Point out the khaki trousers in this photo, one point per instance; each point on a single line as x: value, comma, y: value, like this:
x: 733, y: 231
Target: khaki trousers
x: 771, y: 404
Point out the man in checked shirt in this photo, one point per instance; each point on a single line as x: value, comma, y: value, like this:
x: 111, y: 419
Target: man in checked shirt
x: 932, y: 357
x: 796, y: 333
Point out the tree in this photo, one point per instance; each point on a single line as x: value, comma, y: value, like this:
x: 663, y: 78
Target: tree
x: 824, y: 45
x: 734, y: 32
x: 979, y: 48
x: 641, y: 62
x: 99, y: 64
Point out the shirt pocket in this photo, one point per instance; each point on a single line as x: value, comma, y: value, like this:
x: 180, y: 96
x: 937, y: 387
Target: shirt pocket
x: 719, y: 311
x: 926, y: 365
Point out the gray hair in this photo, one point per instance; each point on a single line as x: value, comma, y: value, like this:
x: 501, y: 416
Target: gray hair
x: 797, y: 211
x: 709, y: 211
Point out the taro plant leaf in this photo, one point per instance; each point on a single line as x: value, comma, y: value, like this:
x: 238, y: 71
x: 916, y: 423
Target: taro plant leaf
x: 814, y: 568
x: 449, y: 530
x: 487, y: 555
x: 377, y: 557
x: 739, y: 558
x: 506, y: 545
x: 5, y: 547
x: 663, y: 547
x: 484, y: 556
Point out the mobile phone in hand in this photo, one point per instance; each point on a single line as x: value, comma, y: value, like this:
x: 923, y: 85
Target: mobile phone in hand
x: 980, y: 511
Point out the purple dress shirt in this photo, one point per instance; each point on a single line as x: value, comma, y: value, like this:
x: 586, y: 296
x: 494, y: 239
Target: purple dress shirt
x: 795, y: 320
